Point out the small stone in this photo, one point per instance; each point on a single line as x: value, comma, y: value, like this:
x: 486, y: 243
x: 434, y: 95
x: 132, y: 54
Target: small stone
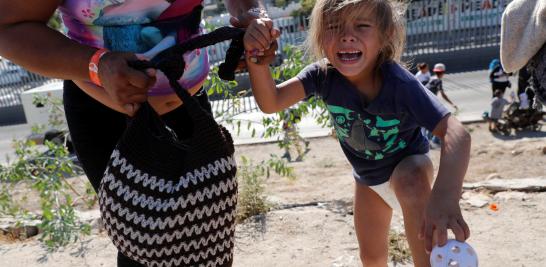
x: 492, y: 176
x: 478, y: 200
x: 511, y: 195
x: 516, y: 152
x: 19, y: 229
x: 544, y: 150
x: 466, y: 195
x: 91, y: 217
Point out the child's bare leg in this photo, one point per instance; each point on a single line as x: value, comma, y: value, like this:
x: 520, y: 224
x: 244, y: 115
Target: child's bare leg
x: 372, y: 218
x: 411, y: 182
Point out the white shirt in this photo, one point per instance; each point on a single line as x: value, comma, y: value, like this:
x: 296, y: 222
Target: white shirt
x: 423, y: 78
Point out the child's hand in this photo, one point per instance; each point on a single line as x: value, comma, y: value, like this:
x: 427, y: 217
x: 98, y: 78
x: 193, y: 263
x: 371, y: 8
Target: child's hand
x: 259, y: 37
x: 440, y: 215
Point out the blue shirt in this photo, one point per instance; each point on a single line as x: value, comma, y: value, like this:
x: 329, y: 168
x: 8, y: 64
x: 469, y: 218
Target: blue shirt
x: 376, y: 136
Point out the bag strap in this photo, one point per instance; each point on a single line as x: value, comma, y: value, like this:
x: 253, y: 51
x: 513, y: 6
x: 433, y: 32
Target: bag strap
x: 171, y: 61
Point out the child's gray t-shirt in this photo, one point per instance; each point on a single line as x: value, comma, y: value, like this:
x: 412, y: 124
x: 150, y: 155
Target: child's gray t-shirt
x: 378, y: 135
x: 497, y: 106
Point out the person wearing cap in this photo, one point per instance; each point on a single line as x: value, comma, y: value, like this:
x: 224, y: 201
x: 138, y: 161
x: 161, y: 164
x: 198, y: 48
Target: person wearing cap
x: 498, y: 77
x: 435, y: 85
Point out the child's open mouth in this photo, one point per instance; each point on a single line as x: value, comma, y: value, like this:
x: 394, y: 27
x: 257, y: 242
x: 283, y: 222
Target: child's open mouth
x: 349, y: 56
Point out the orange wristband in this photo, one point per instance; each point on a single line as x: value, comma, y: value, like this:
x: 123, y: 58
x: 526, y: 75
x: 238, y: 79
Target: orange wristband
x: 94, y: 66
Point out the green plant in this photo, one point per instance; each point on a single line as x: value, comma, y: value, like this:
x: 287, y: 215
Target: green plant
x: 293, y: 63
x: 46, y: 170
x: 55, y: 110
x: 46, y: 167
x: 398, y: 248
x: 306, y: 8
x: 252, y: 199
x: 280, y: 3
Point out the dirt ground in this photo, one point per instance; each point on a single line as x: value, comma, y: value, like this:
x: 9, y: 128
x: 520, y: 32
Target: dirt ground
x: 320, y: 233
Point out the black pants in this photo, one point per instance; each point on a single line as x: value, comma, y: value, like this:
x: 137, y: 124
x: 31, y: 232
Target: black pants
x: 95, y: 130
x: 499, y: 86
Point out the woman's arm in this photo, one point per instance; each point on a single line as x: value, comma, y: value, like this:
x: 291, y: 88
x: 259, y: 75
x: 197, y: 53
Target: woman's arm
x: 239, y: 10
x: 26, y: 40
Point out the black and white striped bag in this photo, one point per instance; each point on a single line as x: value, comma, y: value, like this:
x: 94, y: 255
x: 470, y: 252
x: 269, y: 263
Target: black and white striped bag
x: 171, y: 202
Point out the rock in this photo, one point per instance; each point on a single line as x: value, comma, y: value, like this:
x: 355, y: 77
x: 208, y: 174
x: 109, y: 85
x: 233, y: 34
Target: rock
x: 544, y: 150
x: 537, y: 184
x: 91, y: 217
x: 511, y: 196
x: 19, y: 229
x: 466, y: 195
x: 493, y: 176
x: 478, y: 200
x: 344, y: 261
x: 516, y: 152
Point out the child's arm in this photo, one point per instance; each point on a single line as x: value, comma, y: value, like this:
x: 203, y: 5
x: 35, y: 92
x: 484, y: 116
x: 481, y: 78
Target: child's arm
x: 443, y: 210
x: 448, y: 100
x: 270, y: 97
x: 441, y: 85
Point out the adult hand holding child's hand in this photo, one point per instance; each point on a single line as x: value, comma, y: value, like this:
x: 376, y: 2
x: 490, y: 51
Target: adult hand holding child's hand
x: 260, y: 41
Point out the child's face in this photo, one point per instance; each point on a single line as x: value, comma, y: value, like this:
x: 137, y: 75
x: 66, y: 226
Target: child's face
x: 353, y: 46
x: 424, y: 70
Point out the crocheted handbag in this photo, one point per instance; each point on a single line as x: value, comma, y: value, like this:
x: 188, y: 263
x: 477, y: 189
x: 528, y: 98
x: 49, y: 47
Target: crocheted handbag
x: 171, y: 202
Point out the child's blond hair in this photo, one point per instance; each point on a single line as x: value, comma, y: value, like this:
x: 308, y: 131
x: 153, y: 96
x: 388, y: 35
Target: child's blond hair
x: 389, y: 15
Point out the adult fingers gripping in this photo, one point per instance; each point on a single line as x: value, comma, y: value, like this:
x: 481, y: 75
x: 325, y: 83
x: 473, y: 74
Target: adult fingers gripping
x: 266, y: 27
x: 261, y: 30
x: 133, y: 100
x: 140, y: 79
x: 119, y: 80
x: 257, y: 40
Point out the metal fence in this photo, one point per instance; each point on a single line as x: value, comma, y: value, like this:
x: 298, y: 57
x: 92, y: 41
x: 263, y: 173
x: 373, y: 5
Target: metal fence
x: 450, y: 25
x: 433, y: 26
x: 14, y: 80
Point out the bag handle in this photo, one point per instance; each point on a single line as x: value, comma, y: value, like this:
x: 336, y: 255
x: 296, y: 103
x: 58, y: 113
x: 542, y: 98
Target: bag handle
x: 171, y: 63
